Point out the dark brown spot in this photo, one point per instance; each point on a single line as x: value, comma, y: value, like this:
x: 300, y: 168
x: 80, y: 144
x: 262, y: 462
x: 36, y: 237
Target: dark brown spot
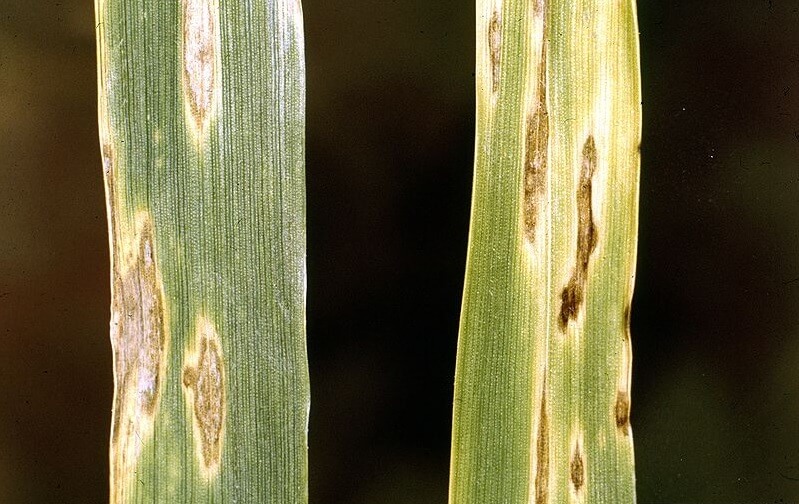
x: 573, y: 294
x: 139, y: 341
x: 494, y: 48
x: 535, y: 162
x: 577, y: 469
x: 542, y: 454
x: 622, y: 411
x: 570, y: 300
x: 204, y: 380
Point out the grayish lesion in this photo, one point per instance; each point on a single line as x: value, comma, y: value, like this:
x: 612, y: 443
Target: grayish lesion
x: 200, y: 60
x: 139, y: 340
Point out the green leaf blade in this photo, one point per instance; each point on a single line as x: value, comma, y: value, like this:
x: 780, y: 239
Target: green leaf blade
x: 202, y: 132
x: 541, y: 410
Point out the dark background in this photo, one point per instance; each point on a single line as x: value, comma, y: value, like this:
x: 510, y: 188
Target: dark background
x: 389, y: 166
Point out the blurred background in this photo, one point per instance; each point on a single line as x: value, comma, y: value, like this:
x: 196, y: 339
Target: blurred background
x: 389, y: 166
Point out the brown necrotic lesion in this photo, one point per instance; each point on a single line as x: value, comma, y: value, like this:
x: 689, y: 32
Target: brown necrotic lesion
x: 573, y: 294
x: 204, y: 384
x: 536, y: 154
x: 200, y: 70
x: 577, y: 469
x: 494, y: 48
x: 542, y: 454
x: 139, y: 342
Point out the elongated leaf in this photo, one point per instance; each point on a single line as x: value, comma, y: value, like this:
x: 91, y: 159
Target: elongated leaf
x: 201, y: 115
x: 542, y: 391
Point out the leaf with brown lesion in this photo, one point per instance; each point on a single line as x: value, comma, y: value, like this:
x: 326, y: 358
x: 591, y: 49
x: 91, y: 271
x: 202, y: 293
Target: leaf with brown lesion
x: 573, y: 294
x: 204, y: 386
x: 139, y: 339
x: 536, y: 154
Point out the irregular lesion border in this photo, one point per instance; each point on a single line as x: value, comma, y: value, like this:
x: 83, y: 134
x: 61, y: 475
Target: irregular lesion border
x: 205, y: 390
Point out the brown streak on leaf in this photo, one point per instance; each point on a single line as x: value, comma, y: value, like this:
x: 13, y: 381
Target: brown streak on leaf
x: 577, y: 469
x: 536, y: 145
x: 542, y: 454
x: 573, y: 294
x: 626, y: 322
x: 494, y: 48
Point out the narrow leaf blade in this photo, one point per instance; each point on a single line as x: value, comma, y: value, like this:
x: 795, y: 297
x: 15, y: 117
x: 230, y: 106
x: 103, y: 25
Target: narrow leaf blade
x: 542, y: 390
